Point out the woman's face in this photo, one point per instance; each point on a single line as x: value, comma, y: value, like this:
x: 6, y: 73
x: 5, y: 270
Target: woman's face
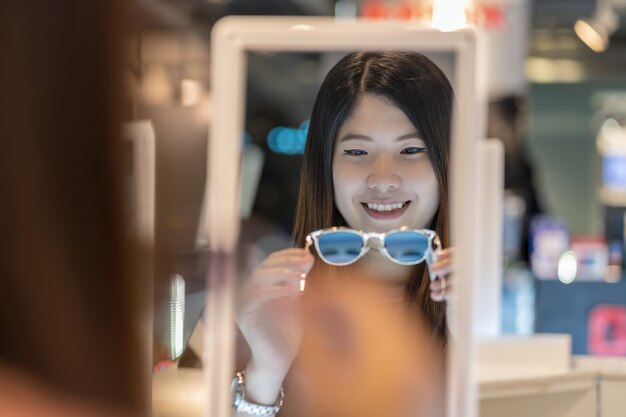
x: 381, y: 170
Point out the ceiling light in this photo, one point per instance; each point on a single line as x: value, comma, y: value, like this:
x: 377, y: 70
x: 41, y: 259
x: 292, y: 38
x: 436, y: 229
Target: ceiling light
x: 596, y: 31
x: 448, y: 15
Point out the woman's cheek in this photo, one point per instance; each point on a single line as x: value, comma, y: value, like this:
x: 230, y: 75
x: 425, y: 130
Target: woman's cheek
x: 347, y: 178
x: 347, y: 183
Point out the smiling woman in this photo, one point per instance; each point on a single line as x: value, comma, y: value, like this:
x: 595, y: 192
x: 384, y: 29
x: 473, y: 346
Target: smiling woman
x: 376, y: 161
x: 384, y: 179
x: 380, y: 136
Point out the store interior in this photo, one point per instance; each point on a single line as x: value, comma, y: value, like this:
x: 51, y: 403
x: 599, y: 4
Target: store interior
x: 550, y: 333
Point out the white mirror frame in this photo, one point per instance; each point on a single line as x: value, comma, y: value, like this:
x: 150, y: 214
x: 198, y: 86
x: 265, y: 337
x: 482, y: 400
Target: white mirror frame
x: 141, y: 134
x: 234, y: 36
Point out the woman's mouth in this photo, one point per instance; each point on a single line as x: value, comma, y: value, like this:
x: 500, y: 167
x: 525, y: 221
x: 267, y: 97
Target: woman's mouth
x: 382, y: 211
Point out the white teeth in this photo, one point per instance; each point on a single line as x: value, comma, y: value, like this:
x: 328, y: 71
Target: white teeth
x: 384, y: 207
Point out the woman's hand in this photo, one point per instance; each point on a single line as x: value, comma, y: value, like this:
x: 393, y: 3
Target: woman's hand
x: 442, y: 287
x: 269, y: 317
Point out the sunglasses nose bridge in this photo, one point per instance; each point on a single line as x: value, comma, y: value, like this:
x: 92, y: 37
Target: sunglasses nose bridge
x: 374, y: 240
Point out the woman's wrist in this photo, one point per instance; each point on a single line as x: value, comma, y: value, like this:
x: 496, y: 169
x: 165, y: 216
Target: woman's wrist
x: 263, y: 384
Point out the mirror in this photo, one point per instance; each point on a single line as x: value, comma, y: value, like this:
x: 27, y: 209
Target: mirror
x: 344, y: 310
x: 245, y: 50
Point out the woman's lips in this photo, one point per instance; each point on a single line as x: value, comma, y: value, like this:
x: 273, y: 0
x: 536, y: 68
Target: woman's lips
x: 386, y: 215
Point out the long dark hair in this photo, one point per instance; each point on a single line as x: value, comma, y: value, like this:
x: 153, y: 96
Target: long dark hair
x: 421, y: 90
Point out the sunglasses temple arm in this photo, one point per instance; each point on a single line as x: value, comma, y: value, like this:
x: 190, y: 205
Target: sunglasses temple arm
x: 307, y: 247
x: 431, y: 259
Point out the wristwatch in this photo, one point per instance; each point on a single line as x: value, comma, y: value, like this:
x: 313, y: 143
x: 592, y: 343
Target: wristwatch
x: 238, y: 388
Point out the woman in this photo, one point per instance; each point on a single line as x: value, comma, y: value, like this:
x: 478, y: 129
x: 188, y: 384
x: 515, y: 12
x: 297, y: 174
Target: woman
x: 376, y: 159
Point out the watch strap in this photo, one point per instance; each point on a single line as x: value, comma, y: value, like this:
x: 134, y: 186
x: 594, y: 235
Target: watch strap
x: 241, y: 405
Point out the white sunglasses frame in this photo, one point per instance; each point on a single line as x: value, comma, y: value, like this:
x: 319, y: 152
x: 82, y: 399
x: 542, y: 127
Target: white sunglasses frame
x: 430, y: 256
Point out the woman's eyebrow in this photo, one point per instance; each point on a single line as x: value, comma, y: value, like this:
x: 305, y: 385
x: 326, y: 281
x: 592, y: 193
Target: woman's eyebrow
x: 413, y: 135
x: 357, y: 136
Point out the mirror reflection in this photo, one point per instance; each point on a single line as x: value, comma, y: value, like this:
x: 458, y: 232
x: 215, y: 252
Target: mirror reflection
x: 342, y: 306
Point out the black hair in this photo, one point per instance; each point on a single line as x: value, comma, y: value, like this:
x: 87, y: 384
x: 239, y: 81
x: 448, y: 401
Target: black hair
x: 419, y: 88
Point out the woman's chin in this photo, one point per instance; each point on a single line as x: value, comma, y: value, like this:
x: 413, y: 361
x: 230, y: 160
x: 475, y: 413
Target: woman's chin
x: 382, y: 226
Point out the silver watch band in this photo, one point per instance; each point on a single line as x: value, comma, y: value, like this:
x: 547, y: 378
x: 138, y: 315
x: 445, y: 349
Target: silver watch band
x: 240, y: 404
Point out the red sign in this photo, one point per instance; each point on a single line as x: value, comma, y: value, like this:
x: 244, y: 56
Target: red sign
x: 607, y: 330
x: 489, y: 16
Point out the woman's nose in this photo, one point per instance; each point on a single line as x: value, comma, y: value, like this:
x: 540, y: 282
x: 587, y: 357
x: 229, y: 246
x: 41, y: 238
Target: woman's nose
x: 383, y: 175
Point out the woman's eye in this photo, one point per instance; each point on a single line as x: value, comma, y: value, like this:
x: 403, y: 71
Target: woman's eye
x: 413, y: 150
x: 355, y: 152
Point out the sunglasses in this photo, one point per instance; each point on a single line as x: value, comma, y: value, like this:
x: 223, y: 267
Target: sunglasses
x: 342, y: 246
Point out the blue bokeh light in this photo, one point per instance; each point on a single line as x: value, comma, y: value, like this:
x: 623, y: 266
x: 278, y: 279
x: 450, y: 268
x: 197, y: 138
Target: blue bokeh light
x: 287, y: 140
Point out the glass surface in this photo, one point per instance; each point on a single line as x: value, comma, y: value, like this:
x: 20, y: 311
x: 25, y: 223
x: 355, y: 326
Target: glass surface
x: 340, y: 247
x: 406, y: 246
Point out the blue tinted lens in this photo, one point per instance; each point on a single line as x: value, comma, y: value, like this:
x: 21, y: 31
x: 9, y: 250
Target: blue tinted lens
x: 406, y: 246
x: 340, y: 247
